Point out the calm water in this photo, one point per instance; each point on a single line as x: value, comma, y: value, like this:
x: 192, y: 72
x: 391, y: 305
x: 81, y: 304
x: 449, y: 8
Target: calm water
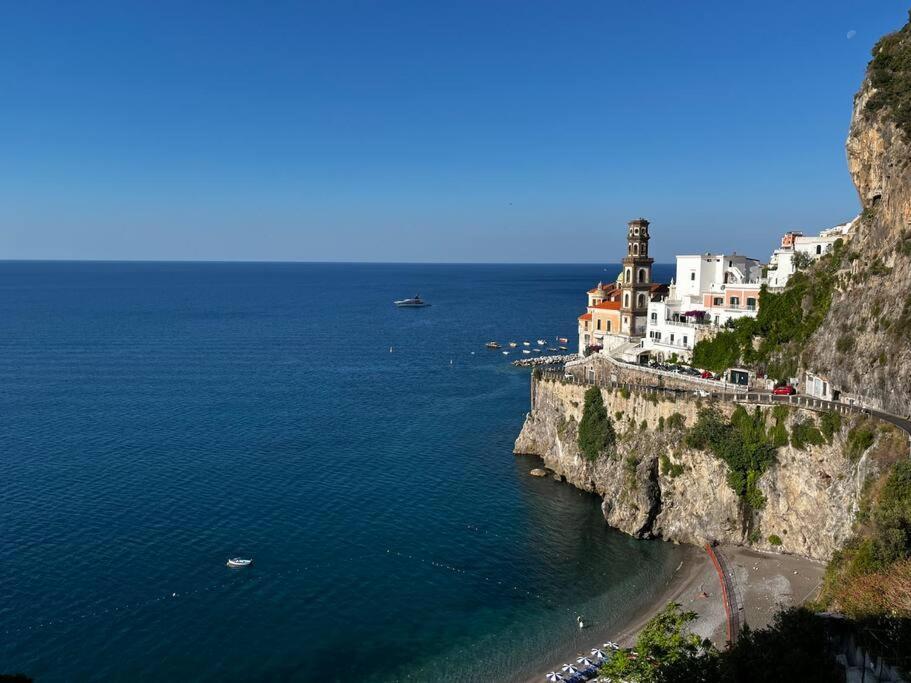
x: 158, y: 418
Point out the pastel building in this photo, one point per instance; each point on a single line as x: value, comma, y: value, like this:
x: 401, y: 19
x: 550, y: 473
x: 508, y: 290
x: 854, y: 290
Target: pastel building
x: 708, y: 291
x: 781, y: 264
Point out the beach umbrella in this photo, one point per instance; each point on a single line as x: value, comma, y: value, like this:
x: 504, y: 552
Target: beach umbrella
x: 585, y: 661
x: 554, y: 676
x: 611, y: 645
x: 598, y: 653
x: 570, y: 669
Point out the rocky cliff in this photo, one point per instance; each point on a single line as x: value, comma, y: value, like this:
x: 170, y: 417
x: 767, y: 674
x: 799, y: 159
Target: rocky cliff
x: 655, y: 486
x: 864, y: 343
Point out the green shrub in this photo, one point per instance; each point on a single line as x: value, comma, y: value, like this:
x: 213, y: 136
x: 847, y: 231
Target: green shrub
x: 643, y: 425
x: 805, y: 433
x: 774, y: 539
x: 624, y: 392
x: 845, y: 343
x: 742, y: 444
x: 830, y: 424
x: 596, y: 432
x: 860, y: 438
x: 890, y: 76
x: 669, y: 468
x: 661, y: 423
x: 676, y: 421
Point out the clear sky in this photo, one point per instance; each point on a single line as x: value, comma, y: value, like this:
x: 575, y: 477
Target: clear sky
x: 424, y: 131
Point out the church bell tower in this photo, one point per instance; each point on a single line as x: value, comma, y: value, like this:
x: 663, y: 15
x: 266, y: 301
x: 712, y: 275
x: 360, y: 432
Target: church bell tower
x: 636, y: 280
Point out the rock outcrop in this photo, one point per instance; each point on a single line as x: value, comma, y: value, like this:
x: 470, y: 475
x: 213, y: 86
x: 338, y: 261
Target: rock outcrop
x: 871, y: 307
x: 654, y: 486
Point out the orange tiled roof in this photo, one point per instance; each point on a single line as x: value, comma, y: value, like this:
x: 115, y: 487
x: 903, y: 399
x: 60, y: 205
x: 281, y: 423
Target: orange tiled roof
x: 609, y: 305
x: 605, y: 287
x: 585, y: 316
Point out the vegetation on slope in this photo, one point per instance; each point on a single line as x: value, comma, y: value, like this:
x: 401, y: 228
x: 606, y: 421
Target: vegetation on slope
x: 890, y: 75
x: 775, y: 339
x: 872, y: 574
x: 743, y: 443
x: 596, y: 431
x: 793, y: 648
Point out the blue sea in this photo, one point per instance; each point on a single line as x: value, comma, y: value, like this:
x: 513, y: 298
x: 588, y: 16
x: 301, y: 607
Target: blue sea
x: 158, y: 418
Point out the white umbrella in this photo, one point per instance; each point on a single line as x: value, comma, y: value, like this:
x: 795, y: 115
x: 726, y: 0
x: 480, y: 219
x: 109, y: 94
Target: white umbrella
x: 554, y: 676
x: 611, y: 645
x: 598, y: 653
x: 570, y: 669
x: 585, y: 661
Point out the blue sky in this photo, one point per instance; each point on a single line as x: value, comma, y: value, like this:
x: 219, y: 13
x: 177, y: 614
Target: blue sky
x: 424, y: 131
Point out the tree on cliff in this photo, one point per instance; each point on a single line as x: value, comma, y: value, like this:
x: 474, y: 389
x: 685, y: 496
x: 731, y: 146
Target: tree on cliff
x: 596, y: 431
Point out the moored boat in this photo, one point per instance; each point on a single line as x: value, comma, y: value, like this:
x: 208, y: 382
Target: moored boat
x: 525, y: 351
x: 512, y: 345
x: 492, y: 345
x: 563, y: 348
x: 541, y: 342
x: 239, y: 562
x: 526, y: 343
x: 563, y: 340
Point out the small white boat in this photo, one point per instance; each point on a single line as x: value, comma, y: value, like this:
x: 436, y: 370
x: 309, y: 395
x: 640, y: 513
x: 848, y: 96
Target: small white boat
x: 239, y: 562
x: 506, y: 353
x: 536, y: 350
x: 492, y: 345
x: 526, y: 343
x: 414, y: 302
x: 512, y: 345
x: 541, y: 342
x: 563, y: 348
x: 525, y: 351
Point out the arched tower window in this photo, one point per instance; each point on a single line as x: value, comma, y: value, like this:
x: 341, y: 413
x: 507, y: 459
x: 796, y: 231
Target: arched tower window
x: 636, y: 249
x: 629, y: 275
x: 626, y: 300
x: 640, y: 300
x: 643, y: 276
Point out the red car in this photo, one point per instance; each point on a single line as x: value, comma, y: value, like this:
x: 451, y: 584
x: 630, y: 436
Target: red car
x: 786, y: 390
x: 707, y: 375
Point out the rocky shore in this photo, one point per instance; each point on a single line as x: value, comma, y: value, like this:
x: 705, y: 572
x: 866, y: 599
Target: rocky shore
x: 544, y: 360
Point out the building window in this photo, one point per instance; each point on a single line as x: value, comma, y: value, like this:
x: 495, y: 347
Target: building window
x: 654, y: 317
x: 735, y: 302
x: 640, y: 301
x: 692, y: 276
x: 672, y: 337
x: 626, y: 300
x: 751, y: 304
x: 635, y: 250
x: 599, y: 323
x: 718, y: 301
x: 818, y: 249
x: 608, y: 325
x: 629, y: 275
x: 643, y: 276
x: 684, y: 340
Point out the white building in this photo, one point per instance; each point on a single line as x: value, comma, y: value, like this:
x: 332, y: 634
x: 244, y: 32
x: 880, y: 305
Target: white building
x: 781, y: 265
x: 709, y: 290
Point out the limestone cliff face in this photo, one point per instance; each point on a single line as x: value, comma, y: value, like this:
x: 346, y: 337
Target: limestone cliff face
x: 812, y: 496
x: 872, y: 304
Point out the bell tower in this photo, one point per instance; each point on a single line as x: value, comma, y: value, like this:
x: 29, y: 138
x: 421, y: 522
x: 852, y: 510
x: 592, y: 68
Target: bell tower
x: 636, y: 280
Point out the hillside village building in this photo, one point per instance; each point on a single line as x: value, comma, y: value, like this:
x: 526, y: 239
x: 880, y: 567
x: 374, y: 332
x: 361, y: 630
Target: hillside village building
x: 635, y: 318
x: 781, y: 264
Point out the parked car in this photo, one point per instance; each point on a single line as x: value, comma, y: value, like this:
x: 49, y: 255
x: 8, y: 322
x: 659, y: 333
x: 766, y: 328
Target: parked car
x: 707, y: 375
x: 786, y: 390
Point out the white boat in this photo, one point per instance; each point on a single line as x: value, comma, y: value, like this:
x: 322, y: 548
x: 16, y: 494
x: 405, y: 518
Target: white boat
x: 525, y: 351
x: 492, y: 345
x: 414, y: 302
x: 512, y: 345
x: 541, y: 342
x: 506, y: 353
x: 239, y: 562
x: 563, y: 348
x: 526, y: 343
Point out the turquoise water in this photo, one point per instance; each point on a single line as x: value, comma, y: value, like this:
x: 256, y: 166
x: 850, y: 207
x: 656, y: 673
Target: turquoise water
x: 159, y: 418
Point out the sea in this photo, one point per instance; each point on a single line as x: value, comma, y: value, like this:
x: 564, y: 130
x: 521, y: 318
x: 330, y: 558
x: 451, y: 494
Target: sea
x: 159, y: 418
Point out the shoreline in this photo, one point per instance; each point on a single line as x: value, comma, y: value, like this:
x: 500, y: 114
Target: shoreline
x: 766, y: 583
x: 693, y: 575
